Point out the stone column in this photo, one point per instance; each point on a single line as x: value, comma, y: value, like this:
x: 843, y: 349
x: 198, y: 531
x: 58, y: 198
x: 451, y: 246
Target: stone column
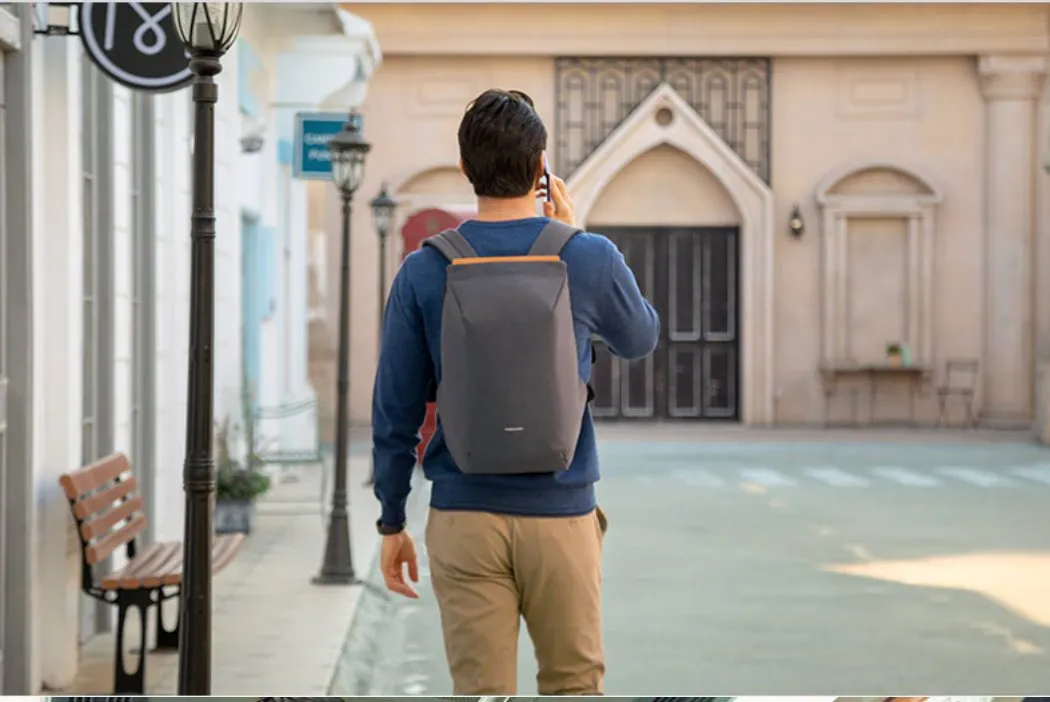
x: 1010, y: 85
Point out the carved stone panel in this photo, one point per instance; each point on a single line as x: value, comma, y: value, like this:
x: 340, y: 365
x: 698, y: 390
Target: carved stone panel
x: 594, y: 95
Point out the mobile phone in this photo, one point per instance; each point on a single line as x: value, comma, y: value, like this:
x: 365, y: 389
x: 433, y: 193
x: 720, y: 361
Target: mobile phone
x: 547, y: 176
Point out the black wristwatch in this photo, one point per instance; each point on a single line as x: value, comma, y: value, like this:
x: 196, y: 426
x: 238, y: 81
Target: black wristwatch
x: 388, y: 529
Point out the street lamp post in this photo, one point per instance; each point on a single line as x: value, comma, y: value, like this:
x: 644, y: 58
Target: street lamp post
x: 383, y: 207
x: 348, y: 149
x: 208, y: 30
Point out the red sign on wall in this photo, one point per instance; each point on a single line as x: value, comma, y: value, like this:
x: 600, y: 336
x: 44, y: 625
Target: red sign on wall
x: 421, y: 225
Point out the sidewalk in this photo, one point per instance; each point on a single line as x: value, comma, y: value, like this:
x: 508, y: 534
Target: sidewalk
x: 274, y: 633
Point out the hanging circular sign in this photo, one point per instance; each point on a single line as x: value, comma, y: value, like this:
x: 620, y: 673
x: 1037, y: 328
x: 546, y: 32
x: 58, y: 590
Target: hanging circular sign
x: 135, y: 44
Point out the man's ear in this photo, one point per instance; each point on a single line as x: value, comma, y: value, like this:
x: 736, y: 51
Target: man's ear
x: 462, y: 168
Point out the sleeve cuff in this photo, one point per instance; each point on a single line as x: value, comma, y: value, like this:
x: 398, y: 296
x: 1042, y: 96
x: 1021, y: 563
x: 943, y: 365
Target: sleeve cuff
x: 392, y: 515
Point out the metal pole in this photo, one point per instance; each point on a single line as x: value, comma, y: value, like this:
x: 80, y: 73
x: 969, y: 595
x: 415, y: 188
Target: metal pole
x: 199, y: 468
x: 338, y: 566
x: 382, y: 282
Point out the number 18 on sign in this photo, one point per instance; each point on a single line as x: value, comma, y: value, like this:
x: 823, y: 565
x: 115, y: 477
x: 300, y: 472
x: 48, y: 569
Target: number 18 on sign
x: 311, y: 160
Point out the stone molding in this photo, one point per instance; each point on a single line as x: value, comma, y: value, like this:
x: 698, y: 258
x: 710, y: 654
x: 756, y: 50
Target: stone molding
x: 721, y: 29
x: 1012, y: 77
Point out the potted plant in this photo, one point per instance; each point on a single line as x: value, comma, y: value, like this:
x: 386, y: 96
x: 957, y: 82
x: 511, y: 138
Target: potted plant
x: 893, y: 354
x: 236, y: 487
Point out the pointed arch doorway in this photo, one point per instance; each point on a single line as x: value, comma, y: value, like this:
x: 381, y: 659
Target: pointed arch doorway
x: 690, y: 273
x: 694, y: 221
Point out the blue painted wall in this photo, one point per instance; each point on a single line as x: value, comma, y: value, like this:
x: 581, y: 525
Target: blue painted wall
x: 257, y: 296
x: 249, y: 67
x: 285, y: 152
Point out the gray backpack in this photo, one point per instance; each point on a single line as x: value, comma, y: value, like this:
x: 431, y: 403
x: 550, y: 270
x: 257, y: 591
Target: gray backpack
x: 510, y: 400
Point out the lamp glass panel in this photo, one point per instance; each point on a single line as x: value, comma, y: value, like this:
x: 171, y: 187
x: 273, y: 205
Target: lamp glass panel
x: 342, y: 173
x: 208, y: 26
x: 382, y: 215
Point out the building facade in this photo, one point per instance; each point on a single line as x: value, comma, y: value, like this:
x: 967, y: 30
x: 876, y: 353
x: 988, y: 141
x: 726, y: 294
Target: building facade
x: 909, y: 138
x: 95, y: 283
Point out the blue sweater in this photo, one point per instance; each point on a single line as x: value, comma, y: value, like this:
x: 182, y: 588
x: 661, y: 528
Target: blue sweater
x: 606, y: 302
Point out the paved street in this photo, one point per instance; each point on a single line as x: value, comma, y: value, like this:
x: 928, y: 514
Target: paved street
x: 775, y: 564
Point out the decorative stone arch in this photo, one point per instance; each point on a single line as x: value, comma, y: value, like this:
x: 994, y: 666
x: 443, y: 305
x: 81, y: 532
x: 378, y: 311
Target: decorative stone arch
x: 666, y: 118
x: 405, y: 180
x: 878, y: 190
x: 440, y: 181
x: 904, y: 183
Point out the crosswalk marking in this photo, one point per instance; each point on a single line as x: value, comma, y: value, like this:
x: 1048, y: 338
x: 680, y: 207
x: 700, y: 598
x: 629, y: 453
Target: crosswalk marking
x: 905, y: 477
x: 836, y: 477
x: 976, y: 477
x: 698, y: 478
x: 1039, y: 473
x: 766, y: 476
x: 927, y: 477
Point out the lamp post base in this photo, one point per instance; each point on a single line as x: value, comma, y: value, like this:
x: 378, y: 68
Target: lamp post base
x: 338, y: 565
x: 324, y: 578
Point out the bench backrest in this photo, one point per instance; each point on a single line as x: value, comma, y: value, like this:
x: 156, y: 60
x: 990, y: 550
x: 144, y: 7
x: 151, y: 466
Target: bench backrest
x: 107, y: 510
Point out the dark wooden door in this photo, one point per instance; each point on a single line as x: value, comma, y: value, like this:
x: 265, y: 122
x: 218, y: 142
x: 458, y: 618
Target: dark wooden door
x: 691, y: 276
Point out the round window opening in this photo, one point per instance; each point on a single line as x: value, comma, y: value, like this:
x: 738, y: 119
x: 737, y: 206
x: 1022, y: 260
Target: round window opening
x: 664, y: 116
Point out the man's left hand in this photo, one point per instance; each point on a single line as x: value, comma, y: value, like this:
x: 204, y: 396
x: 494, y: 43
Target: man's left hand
x: 397, y: 552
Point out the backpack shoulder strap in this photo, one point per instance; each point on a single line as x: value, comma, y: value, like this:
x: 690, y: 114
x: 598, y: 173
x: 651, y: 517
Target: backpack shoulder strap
x: 553, y: 238
x: 451, y: 244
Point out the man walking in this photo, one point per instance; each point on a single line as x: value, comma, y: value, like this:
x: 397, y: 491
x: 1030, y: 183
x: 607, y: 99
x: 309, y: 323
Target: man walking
x: 513, y: 531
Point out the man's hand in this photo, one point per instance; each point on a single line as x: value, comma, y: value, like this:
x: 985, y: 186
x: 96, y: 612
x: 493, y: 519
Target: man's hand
x: 397, y: 551
x: 560, y: 205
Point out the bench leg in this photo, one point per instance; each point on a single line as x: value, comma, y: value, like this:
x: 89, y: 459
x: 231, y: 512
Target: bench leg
x: 133, y: 682
x: 167, y: 639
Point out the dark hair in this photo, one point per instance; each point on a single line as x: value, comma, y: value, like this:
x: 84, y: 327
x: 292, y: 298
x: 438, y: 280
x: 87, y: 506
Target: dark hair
x: 501, y: 141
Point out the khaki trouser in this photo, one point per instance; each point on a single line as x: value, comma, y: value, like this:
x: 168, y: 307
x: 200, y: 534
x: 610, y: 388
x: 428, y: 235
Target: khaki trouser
x: 490, y: 570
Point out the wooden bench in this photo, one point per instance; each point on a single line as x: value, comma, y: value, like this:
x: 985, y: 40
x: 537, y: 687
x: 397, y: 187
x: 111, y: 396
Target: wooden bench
x: 109, y: 514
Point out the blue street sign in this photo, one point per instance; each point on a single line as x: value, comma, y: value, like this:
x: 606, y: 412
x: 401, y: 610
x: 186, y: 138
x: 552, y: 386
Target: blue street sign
x: 311, y: 160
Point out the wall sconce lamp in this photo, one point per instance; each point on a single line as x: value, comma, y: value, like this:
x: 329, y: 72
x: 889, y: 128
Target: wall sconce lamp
x: 795, y: 224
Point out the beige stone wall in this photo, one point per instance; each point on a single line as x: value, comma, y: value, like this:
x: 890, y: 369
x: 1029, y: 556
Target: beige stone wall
x: 663, y: 187
x: 922, y: 114
x: 909, y: 101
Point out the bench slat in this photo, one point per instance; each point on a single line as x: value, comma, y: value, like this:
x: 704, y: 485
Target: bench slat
x: 94, y: 476
x: 143, y: 567
x: 99, y: 501
x: 100, y: 526
x: 167, y: 571
x: 224, y: 549
x: 161, y: 564
x: 102, y: 548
